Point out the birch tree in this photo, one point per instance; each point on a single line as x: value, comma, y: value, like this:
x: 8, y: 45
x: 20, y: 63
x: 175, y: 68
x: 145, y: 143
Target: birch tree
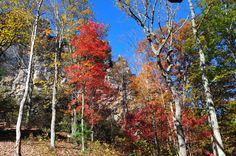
x: 24, y: 98
x: 144, y: 13
x: 218, y: 148
x: 65, y: 15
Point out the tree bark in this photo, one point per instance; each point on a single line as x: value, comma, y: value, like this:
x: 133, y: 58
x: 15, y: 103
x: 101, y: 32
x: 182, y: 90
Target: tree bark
x: 22, y: 102
x: 54, y: 89
x: 28, y: 113
x: 92, y: 125
x: 74, y: 121
x: 54, y: 100
x: 217, y: 140
x: 177, y: 124
x: 82, y: 122
x: 59, y: 31
x: 29, y: 104
x: 92, y: 132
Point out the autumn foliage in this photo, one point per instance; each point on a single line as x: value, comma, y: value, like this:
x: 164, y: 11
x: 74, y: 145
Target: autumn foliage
x: 89, y: 72
x: 152, y: 120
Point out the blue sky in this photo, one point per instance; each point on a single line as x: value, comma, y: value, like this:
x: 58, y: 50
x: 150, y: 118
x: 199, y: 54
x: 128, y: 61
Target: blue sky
x: 122, y: 29
x: 123, y: 32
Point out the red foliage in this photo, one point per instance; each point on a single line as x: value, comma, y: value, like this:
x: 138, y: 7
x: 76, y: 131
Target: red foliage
x: 90, y: 41
x: 88, y: 74
x: 139, y: 125
x: 153, y: 97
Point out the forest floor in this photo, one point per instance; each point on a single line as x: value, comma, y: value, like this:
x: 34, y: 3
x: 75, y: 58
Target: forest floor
x: 36, y: 142
x: 39, y: 148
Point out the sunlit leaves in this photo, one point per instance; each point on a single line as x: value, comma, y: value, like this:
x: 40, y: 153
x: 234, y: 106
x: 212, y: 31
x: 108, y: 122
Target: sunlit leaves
x: 88, y: 74
x: 14, y: 28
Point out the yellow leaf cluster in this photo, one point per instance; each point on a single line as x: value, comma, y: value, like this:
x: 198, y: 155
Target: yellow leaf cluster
x: 86, y: 12
x: 14, y: 27
x: 81, y: 21
x: 48, y: 31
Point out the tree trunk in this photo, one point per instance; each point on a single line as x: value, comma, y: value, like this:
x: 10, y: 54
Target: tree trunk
x: 22, y: 102
x: 217, y: 141
x: 82, y: 122
x: 74, y: 113
x: 92, y: 133
x: 54, y: 101
x: 177, y: 124
x: 177, y: 117
x: 54, y: 90
x: 173, y: 118
x: 74, y: 121
x: 28, y: 113
x: 182, y: 148
x: 29, y: 104
x: 93, y: 108
x: 92, y: 126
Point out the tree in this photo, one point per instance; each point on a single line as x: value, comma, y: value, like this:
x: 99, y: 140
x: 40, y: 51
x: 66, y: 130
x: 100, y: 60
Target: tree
x: 88, y: 75
x: 217, y: 140
x: 64, y: 17
x: 22, y: 102
x: 15, y: 25
x: 14, y: 33
x: 150, y: 119
x: 144, y: 14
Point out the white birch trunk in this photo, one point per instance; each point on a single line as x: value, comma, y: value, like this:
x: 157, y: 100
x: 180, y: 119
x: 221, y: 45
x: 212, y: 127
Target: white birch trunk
x: 217, y: 140
x: 29, y: 104
x: 22, y: 102
x: 59, y: 32
x: 177, y: 124
x: 54, y: 100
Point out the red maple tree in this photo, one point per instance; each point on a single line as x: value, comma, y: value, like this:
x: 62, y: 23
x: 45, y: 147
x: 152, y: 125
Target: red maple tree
x: 89, y: 72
